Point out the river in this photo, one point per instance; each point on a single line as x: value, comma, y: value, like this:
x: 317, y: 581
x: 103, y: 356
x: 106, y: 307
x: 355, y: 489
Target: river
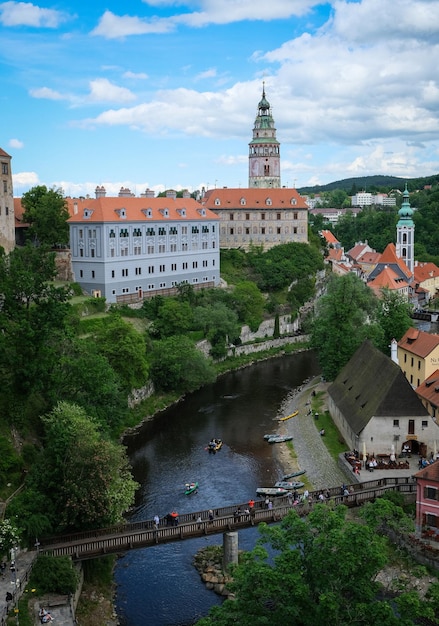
x: 159, y: 586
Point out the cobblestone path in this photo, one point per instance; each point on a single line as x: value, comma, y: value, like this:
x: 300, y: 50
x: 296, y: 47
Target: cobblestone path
x: 312, y: 455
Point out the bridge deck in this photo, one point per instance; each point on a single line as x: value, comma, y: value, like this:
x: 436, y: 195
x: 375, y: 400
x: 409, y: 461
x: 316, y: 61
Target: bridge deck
x: 116, y: 539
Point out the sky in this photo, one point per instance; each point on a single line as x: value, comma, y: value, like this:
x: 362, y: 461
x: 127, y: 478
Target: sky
x: 163, y: 94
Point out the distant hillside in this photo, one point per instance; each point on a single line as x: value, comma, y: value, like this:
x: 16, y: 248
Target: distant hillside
x: 373, y: 184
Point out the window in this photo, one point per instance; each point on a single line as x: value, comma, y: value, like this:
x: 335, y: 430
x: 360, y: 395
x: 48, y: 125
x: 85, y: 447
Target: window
x: 4, y: 168
x: 112, y: 273
x: 151, y: 269
x: 112, y: 252
x: 262, y: 231
x: 125, y: 272
x: 124, y: 252
x: 81, y: 252
x: 278, y: 216
x: 195, y: 230
x: 112, y: 234
x: 262, y: 216
x: 424, y: 423
x: 412, y: 361
x: 162, y: 248
x: 92, y: 273
x: 137, y: 250
x: 173, y: 267
x: 162, y: 231
x: 138, y: 271
x: 204, y: 263
x: 150, y: 249
x: 150, y: 232
x: 92, y: 252
x: 232, y: 231
x: 396, y: 423
x: 184, y: 266
x: 184, y: 247
x: 278, y: 230
x: 247, y: 216
x: 173, y: 247
x: 295, y: 215
x: 184, y: 230
x: 431, y: 493
x: 7, y: 210
x: 195, y: 264
x: 419, y: 365
x: 162, y: 268
x: 81, y: 274
x: 405, y: 358
x: 204, y: 245
x: 247, y: 231
x: 137, y: 232
x: 5, y: 186
x: 295, y: 230
x: 173, y: 230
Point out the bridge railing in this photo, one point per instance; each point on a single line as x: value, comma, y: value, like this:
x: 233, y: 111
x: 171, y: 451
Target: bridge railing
x: 125, y: 536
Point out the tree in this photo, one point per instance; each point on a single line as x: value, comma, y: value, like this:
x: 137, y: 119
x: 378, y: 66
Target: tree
x: 87, y: 479
x: 46, y: 212
x: 32, y: 327
x: 248, y: 303
x: 124, y: 348
x: 345, y: 316
x: 322, y: 570
x: 393, y: 317
x: 174, y: 317
x: 220, y: 326
x: 177, y: 365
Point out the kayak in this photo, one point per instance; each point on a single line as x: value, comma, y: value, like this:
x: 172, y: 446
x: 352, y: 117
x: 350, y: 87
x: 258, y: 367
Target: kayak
x: 190, y: 488
x: 280, y: 438
x: 288, y: 417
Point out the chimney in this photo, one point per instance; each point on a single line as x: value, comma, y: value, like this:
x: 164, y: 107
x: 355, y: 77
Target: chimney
x: 394, y: 351
x: 100, y: 192
x: 186, y: 194
x: 171, y: 194
x: 148, y: 193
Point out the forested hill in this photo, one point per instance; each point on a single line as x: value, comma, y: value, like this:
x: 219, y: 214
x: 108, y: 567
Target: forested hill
x: 373, y: 184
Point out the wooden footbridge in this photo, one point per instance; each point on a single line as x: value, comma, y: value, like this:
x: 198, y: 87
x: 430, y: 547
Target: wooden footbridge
x: 117, y: 539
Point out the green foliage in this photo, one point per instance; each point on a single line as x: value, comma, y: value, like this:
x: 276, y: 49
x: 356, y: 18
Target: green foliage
x: 84, y: 481
x: 46, y: 212
x: 10, y: 461
x: 377, y: 226
x: 125, y: 350
x: 174, y: 317
x: 323, y: 571
x: 54, y: 574
x: 76, y: 289
x: 345, y: 316
x: 176, y: 365
x: 393, y: 317
x: 385, y: 514
x: 248, y: 302
x: 9, y: 536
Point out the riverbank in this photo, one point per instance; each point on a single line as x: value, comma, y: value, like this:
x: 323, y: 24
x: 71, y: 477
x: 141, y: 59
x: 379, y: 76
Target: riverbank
x: 310, y: 452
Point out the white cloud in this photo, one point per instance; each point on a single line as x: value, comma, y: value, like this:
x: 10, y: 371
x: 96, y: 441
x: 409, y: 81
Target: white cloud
x: 135, y: 75
x: 25, y: 179
x: 102, y: 90
x: 15, y: 143
x: 27, y: 14
x: 47, y: 94
x: 113, y: 26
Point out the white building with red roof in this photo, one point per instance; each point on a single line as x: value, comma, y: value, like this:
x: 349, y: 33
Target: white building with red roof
x: 418, y: 355
x: 128, y: 248
x: 426, y: 276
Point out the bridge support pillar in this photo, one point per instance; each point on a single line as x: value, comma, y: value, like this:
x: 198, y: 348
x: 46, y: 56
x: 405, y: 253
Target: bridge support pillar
x: 230, y: 549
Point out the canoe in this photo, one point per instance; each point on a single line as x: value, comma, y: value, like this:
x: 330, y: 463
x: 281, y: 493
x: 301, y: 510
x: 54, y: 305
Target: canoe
x: 267, y: 437
x: 293, y: 475
x: 271, y: 491
x: 190, y: 488
x: 288, y: 417
x: 280, y: 438
x: 283, y: 484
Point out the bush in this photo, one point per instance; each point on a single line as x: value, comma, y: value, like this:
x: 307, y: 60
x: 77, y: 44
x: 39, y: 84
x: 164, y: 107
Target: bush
x: 54, y: 574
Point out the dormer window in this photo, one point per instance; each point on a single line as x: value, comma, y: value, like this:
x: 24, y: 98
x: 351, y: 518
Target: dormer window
x: 268, y: 202
x: 121, y: 213
x: 217, y: 202
x: 293, y: 201
x: 164, y: 212
x: 181, y: 212
x: 202, y: 212
x: 87, y: 214
x: 243, y: 202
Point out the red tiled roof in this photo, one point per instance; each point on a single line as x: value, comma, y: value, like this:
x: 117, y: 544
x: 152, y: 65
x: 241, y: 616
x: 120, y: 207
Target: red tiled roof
x: 329, y: 237
x: 335, y: 254
x: 387, y: 279
x: 358, y: 250
x: 230, y: 198
x: 108, y: 209
x: 424, y: 271
x: 418, y: 342
x: 4, y: 154
x: 389, y: 256
x: 429, y: 389
x: 369, y: 257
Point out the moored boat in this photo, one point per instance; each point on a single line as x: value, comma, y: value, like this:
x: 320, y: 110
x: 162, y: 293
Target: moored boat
x: 267, y: 437
x: 284, y: 484
x: 214, y: 445
x: 190, y: 488
x: 288, y: 417
x: 280, y: 438
x: 293, y: 475
x: 271, y: 491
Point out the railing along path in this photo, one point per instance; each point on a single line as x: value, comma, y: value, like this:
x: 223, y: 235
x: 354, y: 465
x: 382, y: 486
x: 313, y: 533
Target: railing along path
x: 122, y: 537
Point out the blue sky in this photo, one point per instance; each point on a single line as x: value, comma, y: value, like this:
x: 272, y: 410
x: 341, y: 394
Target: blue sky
x: 163, y: 94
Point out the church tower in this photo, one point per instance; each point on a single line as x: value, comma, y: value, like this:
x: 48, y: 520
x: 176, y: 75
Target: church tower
x: 7, y: 220
x: 264, y: 153
x: 405, y: 233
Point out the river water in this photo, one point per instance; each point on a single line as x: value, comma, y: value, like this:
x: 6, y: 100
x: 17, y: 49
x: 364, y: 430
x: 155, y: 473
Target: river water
x: 159, y: 586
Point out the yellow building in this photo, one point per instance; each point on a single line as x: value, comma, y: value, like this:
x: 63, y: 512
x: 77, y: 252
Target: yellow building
x: 418, y: 355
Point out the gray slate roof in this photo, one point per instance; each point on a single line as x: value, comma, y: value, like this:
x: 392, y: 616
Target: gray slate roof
x: 371, y: 384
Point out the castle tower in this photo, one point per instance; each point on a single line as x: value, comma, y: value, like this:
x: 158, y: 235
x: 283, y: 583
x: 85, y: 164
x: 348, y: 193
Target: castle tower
x: 7, y: 219
x: 264, y: 149
x: 405, y: 233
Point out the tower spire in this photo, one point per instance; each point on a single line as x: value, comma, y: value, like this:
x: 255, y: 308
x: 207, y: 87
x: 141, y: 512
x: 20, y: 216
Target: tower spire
x: 405, y: 232
x: 264, y: 148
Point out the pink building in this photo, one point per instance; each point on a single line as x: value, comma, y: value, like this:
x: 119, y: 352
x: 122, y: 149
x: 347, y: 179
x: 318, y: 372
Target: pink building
x: 427, y: 498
